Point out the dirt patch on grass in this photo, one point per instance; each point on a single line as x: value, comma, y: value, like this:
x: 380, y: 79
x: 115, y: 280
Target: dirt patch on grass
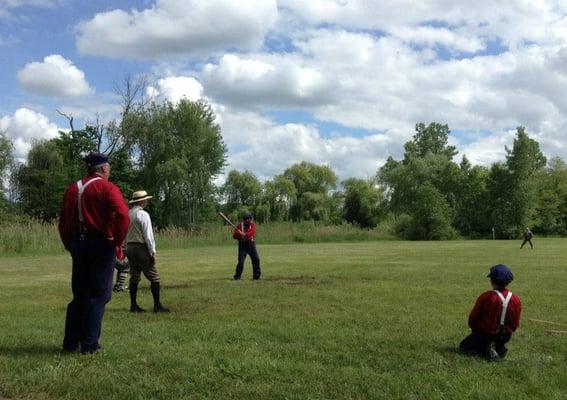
x: 298, y: 280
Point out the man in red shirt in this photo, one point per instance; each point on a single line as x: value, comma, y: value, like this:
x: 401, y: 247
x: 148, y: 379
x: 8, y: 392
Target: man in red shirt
x: 494, y: 317
x: 92, y: 222
x: 244, y: 233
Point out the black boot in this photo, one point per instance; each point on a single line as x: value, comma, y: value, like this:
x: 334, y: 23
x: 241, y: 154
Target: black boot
x: 155, y: 287
x: 134, y: 307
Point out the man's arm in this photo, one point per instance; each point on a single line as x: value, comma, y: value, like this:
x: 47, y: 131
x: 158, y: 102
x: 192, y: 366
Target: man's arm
x: 119, y: 211
x: 147, y: 231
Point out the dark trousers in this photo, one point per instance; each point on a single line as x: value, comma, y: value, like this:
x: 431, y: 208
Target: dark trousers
x: 527, y: 241
x: 91, y: 282
x: 479, y: 344
x: 248, y: 248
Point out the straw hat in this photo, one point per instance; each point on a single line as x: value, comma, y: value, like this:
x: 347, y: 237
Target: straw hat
x: 139, y: 196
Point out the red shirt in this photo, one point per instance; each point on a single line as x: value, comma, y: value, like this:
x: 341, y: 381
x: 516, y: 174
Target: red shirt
x: 248, y: 230
x: 104, y: 211
x: 485, y: 315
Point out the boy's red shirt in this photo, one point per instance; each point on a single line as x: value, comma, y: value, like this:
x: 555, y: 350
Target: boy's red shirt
x: 485, y: 315
x: 248, y: 230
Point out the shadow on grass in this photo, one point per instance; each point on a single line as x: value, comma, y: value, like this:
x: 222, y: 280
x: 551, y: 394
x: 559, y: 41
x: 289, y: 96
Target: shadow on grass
x: 29, y: 349
x: 449, y: 350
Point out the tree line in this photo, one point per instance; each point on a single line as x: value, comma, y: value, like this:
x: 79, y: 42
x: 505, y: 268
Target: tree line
x: 175, y: 151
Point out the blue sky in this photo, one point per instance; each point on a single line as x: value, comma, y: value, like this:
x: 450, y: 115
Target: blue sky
x: 340, y: 83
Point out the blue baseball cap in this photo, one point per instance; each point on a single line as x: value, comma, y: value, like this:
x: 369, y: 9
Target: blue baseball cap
x: 501, y: 273
x: 94, y: 159
x: 247, y: 216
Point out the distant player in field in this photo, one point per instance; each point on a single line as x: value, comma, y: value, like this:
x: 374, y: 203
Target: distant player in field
x: 244, y: 233
x: 528, y: 235
x: 494, y: 317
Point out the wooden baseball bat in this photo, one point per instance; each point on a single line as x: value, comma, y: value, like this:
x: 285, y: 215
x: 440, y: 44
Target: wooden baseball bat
x: 230, y: 222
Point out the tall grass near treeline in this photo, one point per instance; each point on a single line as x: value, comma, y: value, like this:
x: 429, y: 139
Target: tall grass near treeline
x: 34, y: 237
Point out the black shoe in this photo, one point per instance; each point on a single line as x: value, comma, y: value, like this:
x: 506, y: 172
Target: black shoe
x: 236, y: 278
x: 136, y: 309
x: 158, y: 308
x: 501, y: 350
x: 256, y: 278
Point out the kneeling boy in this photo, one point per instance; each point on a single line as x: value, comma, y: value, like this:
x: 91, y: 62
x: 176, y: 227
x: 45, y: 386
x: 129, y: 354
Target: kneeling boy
x: 494, y: 317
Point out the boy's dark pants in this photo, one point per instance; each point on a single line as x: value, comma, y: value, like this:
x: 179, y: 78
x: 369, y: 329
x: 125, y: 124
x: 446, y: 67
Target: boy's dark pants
x: 91, y: 282
x: 248, y: 248
x: 478, y: 344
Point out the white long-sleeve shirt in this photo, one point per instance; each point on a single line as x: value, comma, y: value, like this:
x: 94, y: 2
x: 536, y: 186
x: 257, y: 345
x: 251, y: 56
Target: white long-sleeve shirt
x: 140, y: 229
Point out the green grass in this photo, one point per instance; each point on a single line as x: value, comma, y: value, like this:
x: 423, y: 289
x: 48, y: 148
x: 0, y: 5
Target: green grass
x: 35, y: 237
x: 372, y: 320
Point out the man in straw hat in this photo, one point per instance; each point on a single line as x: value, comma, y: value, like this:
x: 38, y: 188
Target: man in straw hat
x: 92, y: 222
x: 141, y: 252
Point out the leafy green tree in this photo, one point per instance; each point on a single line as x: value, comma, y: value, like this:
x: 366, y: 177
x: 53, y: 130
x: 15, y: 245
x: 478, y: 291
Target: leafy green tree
x: 72, y: 146
x: 430, y: 139
x: 41, y: 182
x: 550, y: 215
x: 513, y: 185
x: 180, y: 150
x: 123, y: 172
x: 427, y: 164
x: 431, y: 215
x: 6, y: 159
x: 279, y: 195
x: 471, y: 211
x: 6, y: 164
x: 241, y: 189
x: 362, y: 202
x: 499, y: 188
x: 312, y: 184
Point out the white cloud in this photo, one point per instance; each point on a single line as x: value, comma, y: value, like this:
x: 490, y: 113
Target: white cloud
x: 267, y: 80
x: 431, y: 37
x: 259, y: 144
x: 173, y: 27
x: 25, y: 126
x: 174, y: 88
x: 512, y: 21
x: 55, y: 76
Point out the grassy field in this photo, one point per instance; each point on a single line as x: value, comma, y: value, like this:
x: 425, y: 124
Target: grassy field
x: 372, y: 320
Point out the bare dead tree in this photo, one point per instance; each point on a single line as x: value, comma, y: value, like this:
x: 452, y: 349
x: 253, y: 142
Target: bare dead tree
x: 69, y: 119
x: 132, y: 90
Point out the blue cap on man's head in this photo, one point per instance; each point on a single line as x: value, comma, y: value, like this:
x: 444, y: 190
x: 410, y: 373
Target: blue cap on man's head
x: 94, y: 160
x: 247, y: 216
x: 501, y: 273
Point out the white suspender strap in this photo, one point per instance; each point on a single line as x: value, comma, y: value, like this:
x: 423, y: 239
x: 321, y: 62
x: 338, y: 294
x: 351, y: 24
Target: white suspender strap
x: 82, y: 188
x: 505, y: 302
